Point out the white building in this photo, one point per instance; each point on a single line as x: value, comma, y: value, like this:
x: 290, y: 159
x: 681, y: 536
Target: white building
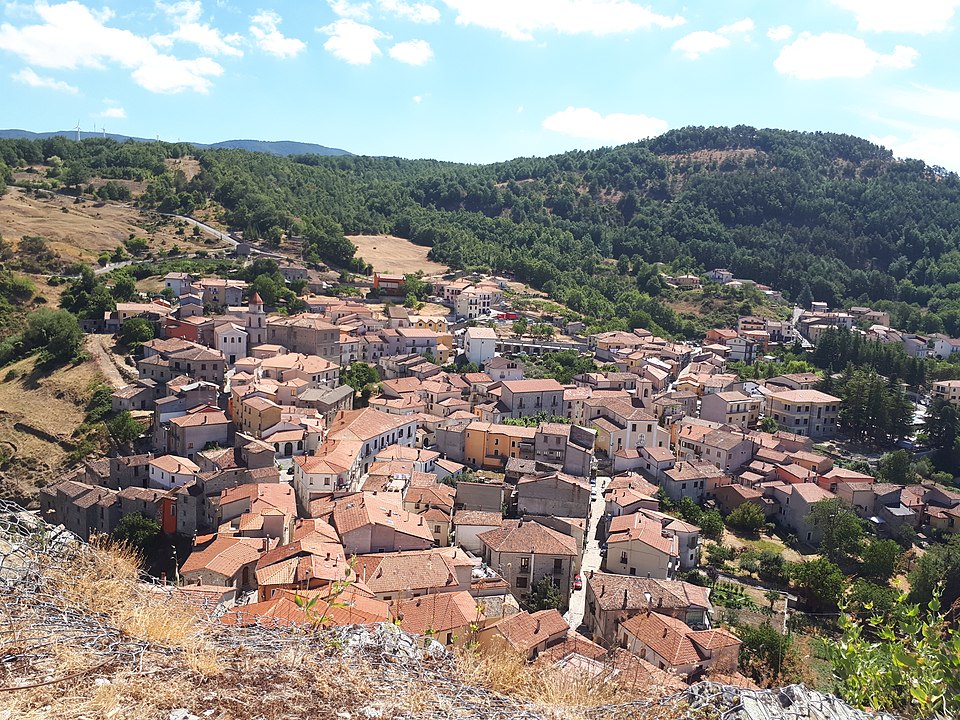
x: 479, y: 344
x: 171, y: 471
x: 231, y: 340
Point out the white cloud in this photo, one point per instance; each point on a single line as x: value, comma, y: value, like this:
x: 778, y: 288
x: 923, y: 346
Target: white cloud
x: 780, y: 33
x: 929, y: 101
x: 935, y: 146
x: 264, y: 27
x: 418, y: 99
x: 347, y: 9
x: 834, y: 55
x: 740, y: 26
x: 185, y: 16
x: 412, y: 52
x: 519, y: 108
x: 71, y: 35
x: 519, y: 19
x: 613, y: 128
x: 28, y: 77
x: 916, y: 16
x: 352, y: 42
x: 117, y: 113
x: 167, y: 74
x: 701, y: 42
x: 417, y: 12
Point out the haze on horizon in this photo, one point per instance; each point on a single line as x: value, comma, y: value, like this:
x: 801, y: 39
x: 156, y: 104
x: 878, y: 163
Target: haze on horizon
x: 484, y: 80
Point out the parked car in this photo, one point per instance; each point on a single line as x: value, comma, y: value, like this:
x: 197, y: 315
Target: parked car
x: 577, y: 583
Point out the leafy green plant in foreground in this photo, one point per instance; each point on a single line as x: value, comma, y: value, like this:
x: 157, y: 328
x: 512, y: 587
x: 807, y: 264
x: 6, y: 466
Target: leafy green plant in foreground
x: 907, y: 661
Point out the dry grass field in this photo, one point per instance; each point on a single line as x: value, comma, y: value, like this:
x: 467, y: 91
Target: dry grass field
x: 38, y: 413
x: 80, y: 232
x: 389, y: 254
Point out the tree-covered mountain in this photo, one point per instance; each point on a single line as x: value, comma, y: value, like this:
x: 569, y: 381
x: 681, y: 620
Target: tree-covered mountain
x: 830, y: 216
x: 273, y: 147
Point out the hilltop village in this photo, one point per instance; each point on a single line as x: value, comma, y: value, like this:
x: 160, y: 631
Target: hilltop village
x: 415, y: 456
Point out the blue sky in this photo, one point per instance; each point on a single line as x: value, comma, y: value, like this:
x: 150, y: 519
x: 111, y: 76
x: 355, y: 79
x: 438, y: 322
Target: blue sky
x: 484, y: 80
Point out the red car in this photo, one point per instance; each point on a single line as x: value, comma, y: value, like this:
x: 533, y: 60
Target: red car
x: 577, y: 583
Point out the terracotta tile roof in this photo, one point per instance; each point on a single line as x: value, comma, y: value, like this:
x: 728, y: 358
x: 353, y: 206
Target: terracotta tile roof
x: 477, y: 378
x: 625, y: 592
x: 225, y: 555
x: 364, y: 424
x: 434, y: 570
x: 435, y: 515
x: 332, y: 458
x: 175, y: 464
x: 200, y: 418
x: 554, y: 480
x: 525, y: 631
x: 804, y: 396
x: 530, y: 385
x: 477, y: 518
x: 362, y: 509
x: 262, y: 496
x: 811, y: 492
x: 439, y: 613
x: 666, y: 636
x: 304, y: 560
x: 320, y: 529
x: 517, y: 536
x: 350, y: 608
x: 636, y: 528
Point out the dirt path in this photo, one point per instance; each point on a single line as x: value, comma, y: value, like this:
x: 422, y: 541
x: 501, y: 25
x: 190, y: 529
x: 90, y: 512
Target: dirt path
x: 115, y: 374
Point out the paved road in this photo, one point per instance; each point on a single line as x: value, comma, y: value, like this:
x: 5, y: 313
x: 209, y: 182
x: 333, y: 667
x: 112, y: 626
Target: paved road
x: 591, y: 557
x: 222, y: 236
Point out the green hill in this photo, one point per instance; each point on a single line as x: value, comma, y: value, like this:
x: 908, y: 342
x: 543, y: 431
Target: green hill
x: 820, y: 215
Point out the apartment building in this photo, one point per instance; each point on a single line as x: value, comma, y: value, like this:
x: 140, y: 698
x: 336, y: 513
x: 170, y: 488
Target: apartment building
x: 804, y: 412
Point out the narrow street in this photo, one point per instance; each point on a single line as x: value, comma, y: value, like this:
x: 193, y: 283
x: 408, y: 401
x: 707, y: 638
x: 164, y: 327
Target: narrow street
x: 591, y: 556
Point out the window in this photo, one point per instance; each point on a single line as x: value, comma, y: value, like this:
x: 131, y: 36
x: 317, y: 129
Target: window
x: 521, y: 582
x: 623, y: 558
x: 525, y: 564
x: 557, y: 564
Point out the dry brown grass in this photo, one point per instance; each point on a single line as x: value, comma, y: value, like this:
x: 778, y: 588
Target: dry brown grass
x: 550, y: 691
x: 186, y: 660
x: 50, y: 402
x: 80, y: 232
x: 105, y: 580
x: 389, y: 254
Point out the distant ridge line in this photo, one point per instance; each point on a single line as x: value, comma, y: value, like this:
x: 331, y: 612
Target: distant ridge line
x: 272, y: 147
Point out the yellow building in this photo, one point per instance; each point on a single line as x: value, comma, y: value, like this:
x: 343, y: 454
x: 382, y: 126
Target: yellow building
x: 258, y: 414
x: 489, y: 445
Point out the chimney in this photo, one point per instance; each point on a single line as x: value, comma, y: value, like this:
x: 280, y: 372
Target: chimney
x: 603, y: 589
x: 537, y: 630
x: 664, y: 632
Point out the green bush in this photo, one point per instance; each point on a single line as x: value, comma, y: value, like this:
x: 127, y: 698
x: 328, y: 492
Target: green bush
x: 906, y: 662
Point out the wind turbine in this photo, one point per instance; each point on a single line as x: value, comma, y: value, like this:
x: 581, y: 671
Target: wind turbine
x: 78, y: 130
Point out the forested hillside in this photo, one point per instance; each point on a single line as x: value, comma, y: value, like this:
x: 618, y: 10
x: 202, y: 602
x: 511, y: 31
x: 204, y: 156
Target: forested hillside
x: 818, y: 215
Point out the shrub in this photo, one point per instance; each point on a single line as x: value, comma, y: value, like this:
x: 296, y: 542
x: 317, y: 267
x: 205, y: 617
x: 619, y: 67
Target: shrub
x: 748, y: 517
x: 908, y: 662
